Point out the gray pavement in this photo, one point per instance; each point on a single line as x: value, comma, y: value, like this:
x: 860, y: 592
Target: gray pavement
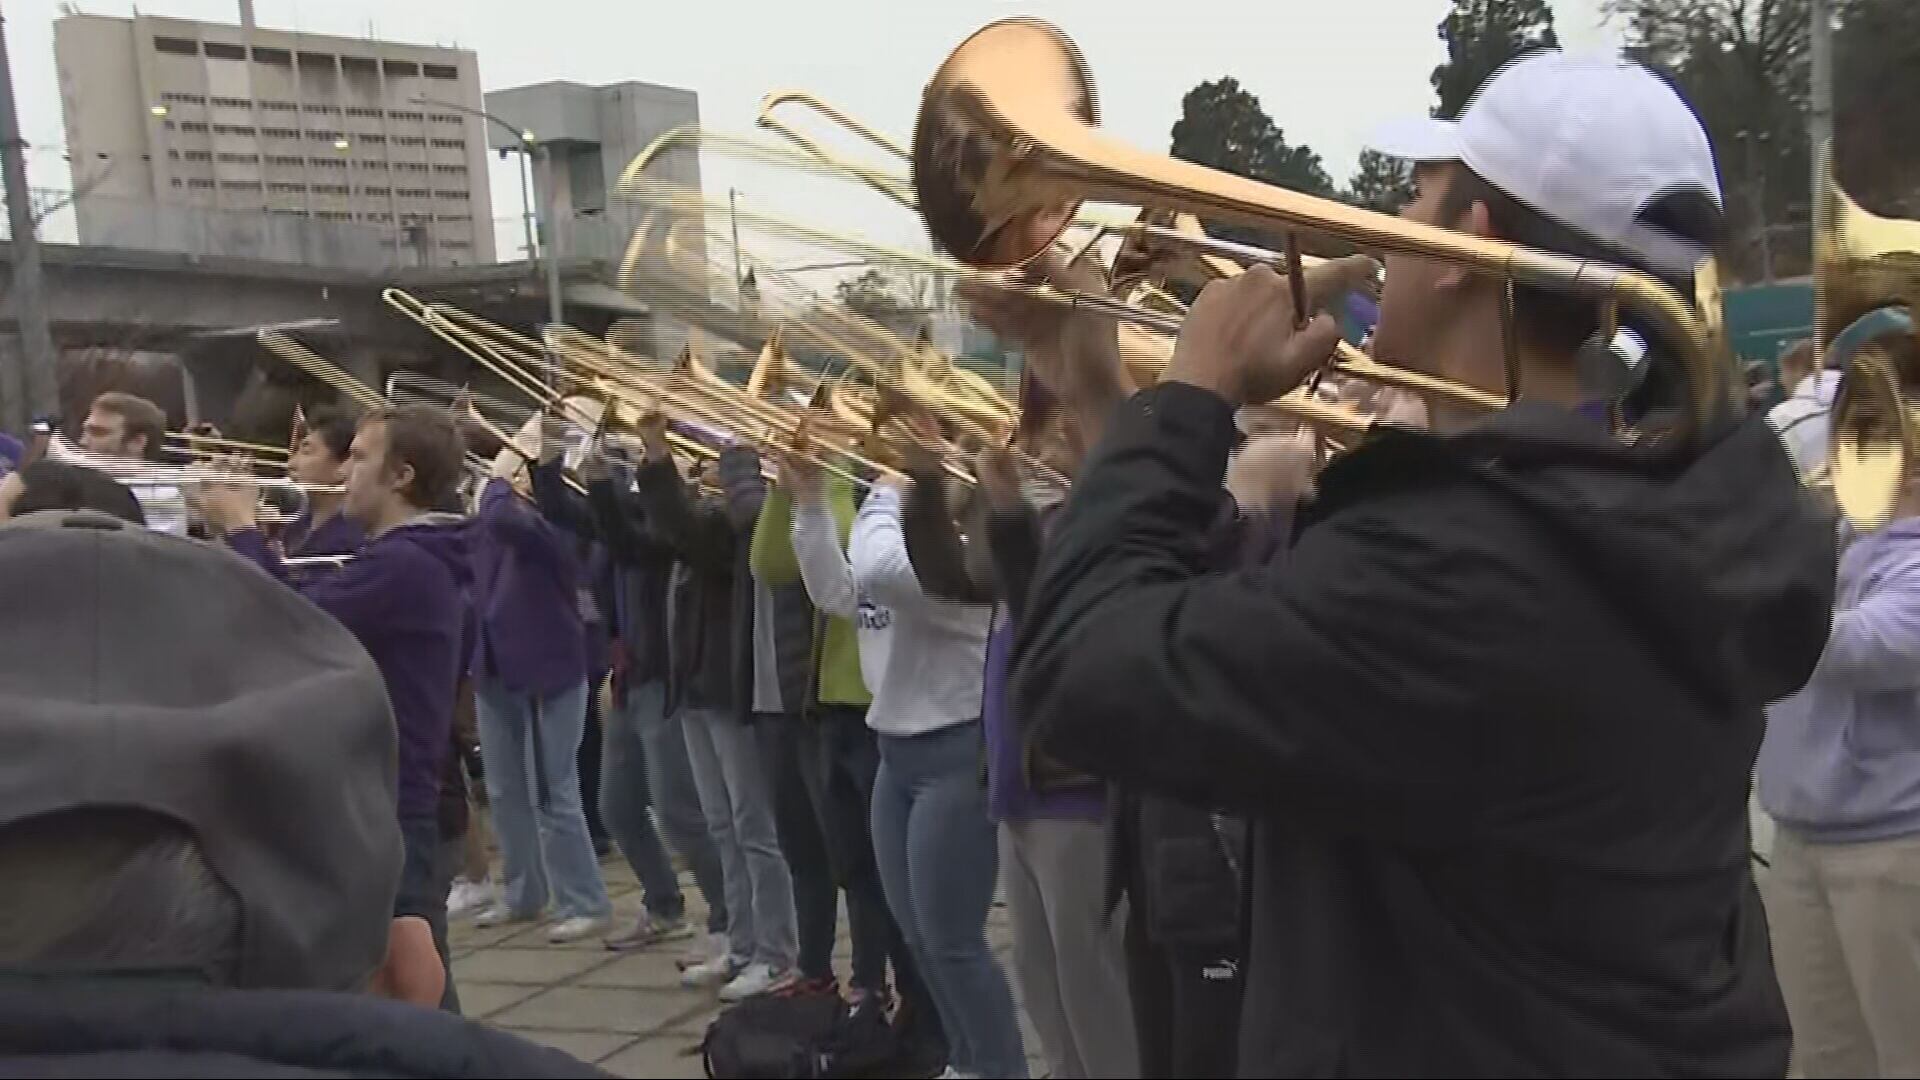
x: 625, y: 1012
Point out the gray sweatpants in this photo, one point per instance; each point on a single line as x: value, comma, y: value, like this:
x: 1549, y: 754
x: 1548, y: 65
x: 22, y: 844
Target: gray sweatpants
x: 1846, y: 944
x: 1067, y: 956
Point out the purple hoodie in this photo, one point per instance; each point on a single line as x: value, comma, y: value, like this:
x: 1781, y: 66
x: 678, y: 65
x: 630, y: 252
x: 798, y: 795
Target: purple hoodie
x: 1841, y: 759
x: 526, y: 590
x: 404, y: 597
x: 338, y: 535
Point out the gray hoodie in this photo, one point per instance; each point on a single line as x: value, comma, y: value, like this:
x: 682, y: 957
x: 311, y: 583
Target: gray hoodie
x: 1841, y: 759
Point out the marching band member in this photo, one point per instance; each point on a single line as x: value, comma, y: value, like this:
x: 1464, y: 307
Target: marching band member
x: 404, y: 597
x: 126, y: 428
x: 1495, y: 715
x: 323, y: 457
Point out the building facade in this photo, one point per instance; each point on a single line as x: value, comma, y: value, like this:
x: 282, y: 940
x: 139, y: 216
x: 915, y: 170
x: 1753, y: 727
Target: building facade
x: 225, y: 140
x: 587, y: 136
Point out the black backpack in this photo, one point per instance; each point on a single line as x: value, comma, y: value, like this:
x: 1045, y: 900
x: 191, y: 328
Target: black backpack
x: 809, y: 1035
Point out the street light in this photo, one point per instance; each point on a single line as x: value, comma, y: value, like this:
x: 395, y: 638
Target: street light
x: 341, y: 144
x: 529, y: 146
x: 159, y: 111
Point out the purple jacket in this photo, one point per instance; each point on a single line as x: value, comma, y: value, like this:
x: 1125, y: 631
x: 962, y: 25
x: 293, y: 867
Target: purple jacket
x: 525, y: 591
x: 1841, y: 759
x: 338, y: 535
x: 403, y: 597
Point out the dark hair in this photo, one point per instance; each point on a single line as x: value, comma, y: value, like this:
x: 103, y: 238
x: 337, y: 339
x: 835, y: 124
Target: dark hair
x: 335, y: 429
x: 427, y: 439
x: 1561, y: 321
x: 57, y: 485
x: 142, y: 417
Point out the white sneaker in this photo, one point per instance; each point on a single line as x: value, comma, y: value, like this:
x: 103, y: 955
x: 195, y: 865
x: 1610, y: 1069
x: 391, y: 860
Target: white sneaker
x: 577, y: 928
x: 704, y: 947
x: 753, y: 980
x: 714, y: 972
x: 467, y: 897
x: 499, y: 915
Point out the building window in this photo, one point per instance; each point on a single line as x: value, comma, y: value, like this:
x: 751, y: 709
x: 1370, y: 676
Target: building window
x: 359, y: 65
x: 449, y: 144
x: 370, y: 138
x: 280, y: 132
x: 412, y: 193
x: 403, y: 69
x: 279, y: 106
x: 461, y: 195
x: 177, y: 46
x: 232, y: 102
x: 324, y: 136
x: 196, y: 182
x: 231, y: 129
x: 221, y: 50
x: 241, y: 159
x: 456, y: 243
x: 404, y: 114
x: 380, y: 192
x: 280, y: 57
x: 448, y: 118
x: 183, y: 99
x: 284, y: 160
x: 196, y: 126
x: 311, y: 59
x: 197, y: 155
x: 440, y: 71
x: 453, y: 217
x: 312, y: 108
x: 451, y: 170
x: 326, y: 163
x: 177, y: 182
x: 283, y: 188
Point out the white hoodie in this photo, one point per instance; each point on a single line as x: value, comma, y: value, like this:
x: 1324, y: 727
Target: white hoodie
x: 923, y: 658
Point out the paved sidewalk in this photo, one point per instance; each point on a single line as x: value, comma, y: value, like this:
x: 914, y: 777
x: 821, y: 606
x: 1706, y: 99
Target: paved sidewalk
x: 625, y: 1012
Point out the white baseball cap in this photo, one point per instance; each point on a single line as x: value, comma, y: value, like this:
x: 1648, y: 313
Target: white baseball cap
x: 1589, y: 141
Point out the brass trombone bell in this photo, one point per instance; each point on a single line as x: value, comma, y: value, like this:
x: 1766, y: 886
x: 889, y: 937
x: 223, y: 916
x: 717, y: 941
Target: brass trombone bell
x: 1866, y: 288
x: 1005, y: 149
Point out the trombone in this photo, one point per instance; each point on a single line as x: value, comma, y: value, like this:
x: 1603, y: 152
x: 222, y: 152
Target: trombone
x: 1866, y: 273
x: 1005, y: 149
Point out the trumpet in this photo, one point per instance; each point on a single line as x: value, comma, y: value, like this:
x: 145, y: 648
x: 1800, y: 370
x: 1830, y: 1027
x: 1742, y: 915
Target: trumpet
x: 1005, y: 150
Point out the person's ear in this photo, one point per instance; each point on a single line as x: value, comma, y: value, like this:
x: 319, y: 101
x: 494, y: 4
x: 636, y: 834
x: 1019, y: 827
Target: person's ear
x: 401, y: 476
x: 1475, y: 220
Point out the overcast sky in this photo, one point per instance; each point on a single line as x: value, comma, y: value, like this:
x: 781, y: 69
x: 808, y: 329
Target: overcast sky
x: 1326, y: 70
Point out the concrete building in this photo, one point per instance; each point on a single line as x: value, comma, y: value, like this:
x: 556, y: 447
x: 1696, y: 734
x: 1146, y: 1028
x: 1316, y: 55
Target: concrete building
x: 590, y: 134
x: 587, y: 136
x: 234, y: 141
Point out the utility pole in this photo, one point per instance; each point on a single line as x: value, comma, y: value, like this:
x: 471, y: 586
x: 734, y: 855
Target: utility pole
x: 552, y: 245
x: 739, y: 283
x: 28, y: 386
x: 1820, y: 122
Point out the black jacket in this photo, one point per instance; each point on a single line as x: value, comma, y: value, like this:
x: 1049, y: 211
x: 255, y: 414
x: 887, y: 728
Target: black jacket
x: 1495, y: 720
x: 611, y: 516
x: 711, y: 630
x: 100, y: 1030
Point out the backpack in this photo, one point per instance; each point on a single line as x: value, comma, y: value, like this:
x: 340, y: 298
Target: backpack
x: 807, y: 1035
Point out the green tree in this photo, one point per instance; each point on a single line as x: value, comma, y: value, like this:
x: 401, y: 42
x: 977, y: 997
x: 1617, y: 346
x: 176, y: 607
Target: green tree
x: 1222, y: 126
x: 881, y: 299
x: 1742, y: 65
x: 1481, y: 36
x: 1380, y: 183
x: 1876, y: 100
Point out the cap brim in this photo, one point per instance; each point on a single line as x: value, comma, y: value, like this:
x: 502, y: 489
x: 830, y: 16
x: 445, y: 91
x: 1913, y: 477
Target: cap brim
x: 1418, y: 138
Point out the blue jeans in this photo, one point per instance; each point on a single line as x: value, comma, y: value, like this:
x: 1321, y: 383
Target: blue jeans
x: 626, y: 800
x: 670, y: 793
x: 727, y: 769
x: 530, y: 746
x: 939, y: 861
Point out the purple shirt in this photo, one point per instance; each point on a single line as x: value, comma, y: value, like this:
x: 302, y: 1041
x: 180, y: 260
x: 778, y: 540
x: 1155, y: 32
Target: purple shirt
x: 1009, y: 798
x: 526, y: 593
x: 337, y: 535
